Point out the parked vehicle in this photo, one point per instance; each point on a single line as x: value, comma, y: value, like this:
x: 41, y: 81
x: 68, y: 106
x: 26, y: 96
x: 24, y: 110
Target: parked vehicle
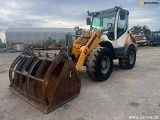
x: 155, y: 39
x: 141, y: 40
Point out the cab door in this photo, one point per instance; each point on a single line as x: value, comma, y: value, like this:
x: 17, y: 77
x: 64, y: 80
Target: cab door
x: 121, y: 29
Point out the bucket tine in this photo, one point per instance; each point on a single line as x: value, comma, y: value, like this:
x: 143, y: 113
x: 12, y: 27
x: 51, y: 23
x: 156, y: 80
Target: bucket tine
x: 40, y: 74
x: 18, y: 68
x: 24, y: 71
x: 12, y: 68
x: 31, y: 72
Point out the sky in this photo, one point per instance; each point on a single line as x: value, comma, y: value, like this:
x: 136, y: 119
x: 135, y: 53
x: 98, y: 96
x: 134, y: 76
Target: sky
x: 71, y: 13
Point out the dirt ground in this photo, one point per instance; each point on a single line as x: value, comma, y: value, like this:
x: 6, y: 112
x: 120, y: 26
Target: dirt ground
x: 126, y: 94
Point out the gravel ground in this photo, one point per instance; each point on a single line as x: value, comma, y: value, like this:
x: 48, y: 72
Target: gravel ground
x: 126, y: 94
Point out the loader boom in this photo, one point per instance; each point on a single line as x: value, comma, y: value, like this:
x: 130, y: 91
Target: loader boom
x: 90, y: 42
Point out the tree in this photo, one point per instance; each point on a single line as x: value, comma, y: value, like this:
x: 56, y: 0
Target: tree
x: 1, y: 41
x: 136, y: 30
x: 44, y: 43
x: 62, y: 42
x: 141, y: 30
x: 48, y: 42
x: 54, y: 41
x: 147, y: 32
x: 2, y: 45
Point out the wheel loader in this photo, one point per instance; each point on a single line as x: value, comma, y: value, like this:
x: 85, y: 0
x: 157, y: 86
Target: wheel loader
x: 107, y: 39
x: 47, y: 80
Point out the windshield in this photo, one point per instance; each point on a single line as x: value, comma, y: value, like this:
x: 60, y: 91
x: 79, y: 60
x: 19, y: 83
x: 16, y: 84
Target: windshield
x: 156, y: 34
x: 101, y: 21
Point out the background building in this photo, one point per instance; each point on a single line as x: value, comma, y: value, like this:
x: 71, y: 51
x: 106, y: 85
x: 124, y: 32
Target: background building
x: 35, y: 35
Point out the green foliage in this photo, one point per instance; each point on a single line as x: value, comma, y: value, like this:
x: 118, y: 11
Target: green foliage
x: 3, y: 45
x: 48, y: 42
x: 62, y: 42
x: 1, y: 41
x: 141, y: 30
x: 136, y: 30
x: 45, y: 43
x: 147, y: 32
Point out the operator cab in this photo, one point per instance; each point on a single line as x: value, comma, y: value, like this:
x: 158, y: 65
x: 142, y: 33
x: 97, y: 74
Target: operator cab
x: 113, y: 22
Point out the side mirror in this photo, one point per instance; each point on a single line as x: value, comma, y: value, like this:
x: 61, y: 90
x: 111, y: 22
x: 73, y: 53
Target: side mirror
x: 88, y: 21
x: 122, y: 14
x: 76, y: 28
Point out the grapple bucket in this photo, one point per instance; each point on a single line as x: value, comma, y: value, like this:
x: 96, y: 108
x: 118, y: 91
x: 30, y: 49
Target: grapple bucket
x: 45, y: 81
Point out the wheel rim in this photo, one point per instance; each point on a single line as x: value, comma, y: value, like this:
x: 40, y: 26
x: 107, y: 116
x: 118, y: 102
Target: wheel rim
x: 131, y: 57
x: 105, y: 64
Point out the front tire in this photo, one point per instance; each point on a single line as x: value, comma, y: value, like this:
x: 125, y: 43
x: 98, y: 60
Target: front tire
x: 99, y: 64
x: 129, y: 61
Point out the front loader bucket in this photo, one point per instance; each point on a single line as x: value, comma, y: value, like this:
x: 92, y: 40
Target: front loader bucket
x: 45, y: 82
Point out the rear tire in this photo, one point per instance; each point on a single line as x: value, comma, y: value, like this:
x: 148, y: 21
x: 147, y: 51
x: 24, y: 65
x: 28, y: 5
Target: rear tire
x: 129, y: 61
x: 99, y: 64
